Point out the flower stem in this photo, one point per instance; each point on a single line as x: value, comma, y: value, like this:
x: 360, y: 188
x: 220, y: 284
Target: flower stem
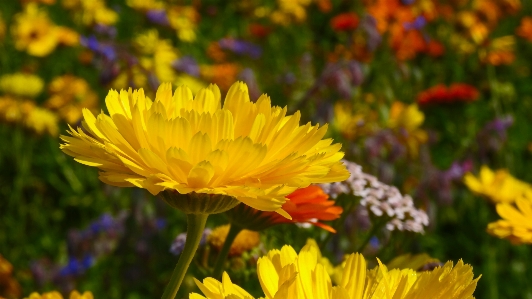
x: 196, y: 225
x: 371, y: 233
x: 224, y: 252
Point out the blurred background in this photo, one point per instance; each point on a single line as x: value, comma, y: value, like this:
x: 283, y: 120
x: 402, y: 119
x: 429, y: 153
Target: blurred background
x: 419, y: 92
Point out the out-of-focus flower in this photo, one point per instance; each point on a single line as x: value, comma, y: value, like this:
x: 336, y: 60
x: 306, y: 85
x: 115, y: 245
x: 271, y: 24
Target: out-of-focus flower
x: 158, y: 56
x: 69, y: 95
x: 440, y: 94
x: 258, y: 30
x: 223, y: 74
x: 516, y: 224
x: 406, y: 121
x: 247, y: 75
x: 183, y: 19
x: 240, y: 47
x: 348, y: 124
x: 203, y: 148
x: 499, y: 186
x: 286, y: 274
x: 145, y: 5
x: 13, y: 110
x: 492, y: 137
x: 525, y: 29
x: 22, y: 85
x: 36, y: 34
x: 500, y: 51
x: 347, y: 21
x: 188, y: 65
x: 178, y: 245
x: 2, y: 28
x: 381, y: 199
x: 9, y: 286
x: 42, y: 121
x: 244, y: 241
x: 289, y: 11
x: 57, y: 295
x: 91, y: 12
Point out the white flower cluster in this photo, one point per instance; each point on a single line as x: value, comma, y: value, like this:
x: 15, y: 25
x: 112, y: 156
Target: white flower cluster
x: 380, y: 199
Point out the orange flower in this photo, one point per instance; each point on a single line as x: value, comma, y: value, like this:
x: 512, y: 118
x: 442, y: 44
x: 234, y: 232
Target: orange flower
x: 525, y: 29
x: 345, y: 22
x: 306, y: 205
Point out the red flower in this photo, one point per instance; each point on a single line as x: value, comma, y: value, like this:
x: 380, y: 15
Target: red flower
x: 345, y: 22
x: 259, y: 30
x: 457, y: 92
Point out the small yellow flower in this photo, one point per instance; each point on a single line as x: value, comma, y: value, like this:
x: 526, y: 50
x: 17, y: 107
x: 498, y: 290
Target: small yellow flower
x: 90, y: 12
x: 36, y: 34
x: 516, y: 224
x: 406, y: 121
x: 145, y: 5
x: 183, y: 19
x: 247, y: 150
x: 57, y: 295
x: 69, y: 95
x: 20, y: 84
x: 158, y: 55
x: 244, y: 241
x: 348, y: 124
x: 42, y: 121
x: 499, y: 186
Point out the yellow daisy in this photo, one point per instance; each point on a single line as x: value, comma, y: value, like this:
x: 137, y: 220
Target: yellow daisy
x: 244, y: 241
x: 288, y: 275
x: 250, y: 151
x: 499, y: 186
x: 516, y: 224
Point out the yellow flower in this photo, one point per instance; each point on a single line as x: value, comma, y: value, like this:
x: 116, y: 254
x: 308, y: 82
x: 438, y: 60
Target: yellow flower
x: 90, y: 12
x: 193, y: 83
x: 14, y: 111
x: 350, y: 125
x: 212, y: 288
x: 42, y: 121
x: 244, y: 241
x: 36, y: 34
x: 516, y: 224
x: 183, y: 19
x: 288, y: 275
x: 406, y: 120
x: 145, y: 4
x: 69, y: 95
x: 159, y: 55
x: 57, y: 295
x: 499, y: 186
x: 250, y: 151
x: 20, y: 84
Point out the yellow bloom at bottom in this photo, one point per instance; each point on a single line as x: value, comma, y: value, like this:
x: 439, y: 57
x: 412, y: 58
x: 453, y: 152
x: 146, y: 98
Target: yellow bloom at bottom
x: 286, y: 274
x: 516, y: 224
x: 57, y: 295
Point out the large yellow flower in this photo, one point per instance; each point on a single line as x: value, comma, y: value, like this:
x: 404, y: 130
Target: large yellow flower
x: 499, y: 186
x: 285, y: 274
x: 251, y: 151
x: 516, y: 224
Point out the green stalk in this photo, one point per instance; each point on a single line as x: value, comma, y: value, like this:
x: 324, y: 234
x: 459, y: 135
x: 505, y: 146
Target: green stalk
x: 371, y: 233
x: 224, y: 252
x: 196, y: 225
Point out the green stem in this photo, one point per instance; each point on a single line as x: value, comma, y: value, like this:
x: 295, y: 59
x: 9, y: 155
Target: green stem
x: 196, y: 225
x: 224, y: 252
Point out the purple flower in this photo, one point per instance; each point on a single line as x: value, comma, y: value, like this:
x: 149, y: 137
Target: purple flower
x: 408, y: 2
x: 188, y: 65
x: 374, y: 38
x: 240, y: 47
x: 417, y: 24
x: 179, y: 242
x: 158, y: 16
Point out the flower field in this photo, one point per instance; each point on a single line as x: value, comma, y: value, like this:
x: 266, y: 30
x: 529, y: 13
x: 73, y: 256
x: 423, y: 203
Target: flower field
x: 301, y: 149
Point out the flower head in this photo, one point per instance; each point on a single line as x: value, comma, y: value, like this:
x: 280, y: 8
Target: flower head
x: 499, y: 186
x: 516, y: 224
x: 306, y: 205
x: 345, y: 22
x: 22, y: 85
x: 36, y: 34
x: 250, y: 151
x: 57, y: 295
x: 244, y: 241
x: 288, y: 275
x: 439, y: 94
